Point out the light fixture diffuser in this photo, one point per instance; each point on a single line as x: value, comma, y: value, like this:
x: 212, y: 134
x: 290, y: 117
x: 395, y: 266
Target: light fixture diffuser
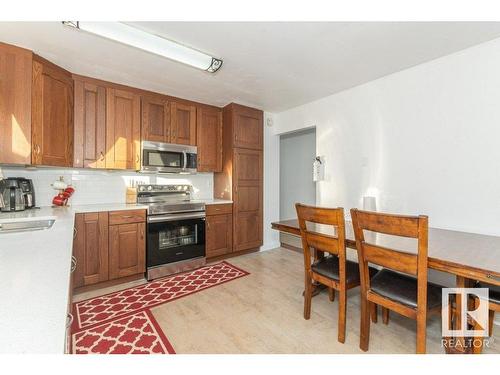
x: 131, y: 36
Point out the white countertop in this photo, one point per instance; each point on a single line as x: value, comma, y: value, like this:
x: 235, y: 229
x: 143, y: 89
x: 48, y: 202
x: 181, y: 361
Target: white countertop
x: 216, y: 201
x: 35, y: 278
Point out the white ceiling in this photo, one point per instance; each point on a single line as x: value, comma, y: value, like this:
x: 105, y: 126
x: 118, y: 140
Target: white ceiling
x: 273, y: 66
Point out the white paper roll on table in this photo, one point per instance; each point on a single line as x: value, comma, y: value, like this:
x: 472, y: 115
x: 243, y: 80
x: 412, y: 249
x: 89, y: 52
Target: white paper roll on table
x: 369, y: 203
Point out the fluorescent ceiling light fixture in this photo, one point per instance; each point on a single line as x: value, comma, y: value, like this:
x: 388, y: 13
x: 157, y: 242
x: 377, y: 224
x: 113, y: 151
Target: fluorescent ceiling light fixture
x: 134, y: 37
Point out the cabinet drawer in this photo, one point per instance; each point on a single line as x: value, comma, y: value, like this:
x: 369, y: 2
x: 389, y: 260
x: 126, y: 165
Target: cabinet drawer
x: 218, y: 209
x: 126, y: 217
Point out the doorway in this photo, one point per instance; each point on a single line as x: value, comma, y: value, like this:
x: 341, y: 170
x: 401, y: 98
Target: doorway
x: 297, y: 153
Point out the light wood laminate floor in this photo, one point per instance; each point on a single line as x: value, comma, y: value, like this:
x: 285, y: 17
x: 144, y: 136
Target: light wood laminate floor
x: 262, y: 313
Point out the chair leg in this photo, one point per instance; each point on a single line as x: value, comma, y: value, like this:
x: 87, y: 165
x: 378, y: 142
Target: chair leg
x: 364, y: 332
x: 374, y: 312
x: 421, y: 333
x: 331, y: 294
x: 491, y: 319
x: 307, y: 297
x: 342, y: 315
x: 385, y: 315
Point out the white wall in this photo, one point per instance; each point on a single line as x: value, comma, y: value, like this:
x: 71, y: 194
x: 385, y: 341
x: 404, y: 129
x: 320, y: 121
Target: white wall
x: 424, y: 140
x: 95, y: 187
x: 271, y: 184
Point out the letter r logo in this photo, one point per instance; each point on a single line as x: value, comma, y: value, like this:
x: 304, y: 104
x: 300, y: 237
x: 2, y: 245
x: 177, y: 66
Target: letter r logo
x: 465, y: 312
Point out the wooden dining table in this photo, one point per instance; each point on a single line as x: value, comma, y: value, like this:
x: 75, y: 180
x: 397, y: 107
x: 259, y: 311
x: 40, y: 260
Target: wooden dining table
x: 470, y: 257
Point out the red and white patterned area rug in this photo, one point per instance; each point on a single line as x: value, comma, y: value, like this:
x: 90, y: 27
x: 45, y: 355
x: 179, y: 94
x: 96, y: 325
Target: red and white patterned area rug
x: 121, y: 322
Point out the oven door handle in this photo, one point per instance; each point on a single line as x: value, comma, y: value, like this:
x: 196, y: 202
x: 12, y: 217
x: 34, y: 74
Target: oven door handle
x: 175, y: 217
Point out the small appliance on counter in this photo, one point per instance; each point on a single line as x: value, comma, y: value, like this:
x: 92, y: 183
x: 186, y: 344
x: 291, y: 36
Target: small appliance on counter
x: 18, y: 194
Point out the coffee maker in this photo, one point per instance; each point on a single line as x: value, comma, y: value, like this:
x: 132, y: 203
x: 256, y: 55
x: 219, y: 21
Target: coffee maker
x: 17, y: 194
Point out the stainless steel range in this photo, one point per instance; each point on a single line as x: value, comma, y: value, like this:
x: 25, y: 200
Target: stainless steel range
x: 176, y: 229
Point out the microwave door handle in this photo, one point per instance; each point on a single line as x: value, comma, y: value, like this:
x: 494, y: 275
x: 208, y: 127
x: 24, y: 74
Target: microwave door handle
x: 185, y: 160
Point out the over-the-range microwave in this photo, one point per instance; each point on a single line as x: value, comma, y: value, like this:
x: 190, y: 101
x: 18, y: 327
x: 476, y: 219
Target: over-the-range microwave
x: 168, y: 158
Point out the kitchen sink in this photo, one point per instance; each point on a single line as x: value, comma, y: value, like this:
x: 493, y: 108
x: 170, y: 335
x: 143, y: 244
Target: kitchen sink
x: 26, y: 225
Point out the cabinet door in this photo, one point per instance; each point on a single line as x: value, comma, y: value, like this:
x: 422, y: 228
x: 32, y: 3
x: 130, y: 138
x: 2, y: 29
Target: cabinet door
x: 183, y: 124
x: 127, y: 250
x: 90, y: 248
x: 248, y: 129
x: 209, y: 139
x: 15, y: 104
x: 219, y: 238
x: 247, y: 197
x: 90, y: 125
x: 155, y: 119
x: 52, y: 115
x: 123, y: 129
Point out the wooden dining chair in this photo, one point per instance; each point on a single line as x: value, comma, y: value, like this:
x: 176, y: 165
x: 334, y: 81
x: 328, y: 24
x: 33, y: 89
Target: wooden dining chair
x: 401, y: 286
x: 333, y: 271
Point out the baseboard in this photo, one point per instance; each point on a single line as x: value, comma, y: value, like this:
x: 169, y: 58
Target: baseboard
x: 270, y: 246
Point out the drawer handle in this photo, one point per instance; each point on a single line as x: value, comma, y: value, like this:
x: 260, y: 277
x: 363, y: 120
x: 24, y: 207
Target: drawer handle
x: 69, y: 320
x: 74, y: 262
x: 127, y: 216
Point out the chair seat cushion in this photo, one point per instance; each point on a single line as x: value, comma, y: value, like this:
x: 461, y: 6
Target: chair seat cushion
x: 329, y: 267
x: 494, y: 291
x: 403, y: 289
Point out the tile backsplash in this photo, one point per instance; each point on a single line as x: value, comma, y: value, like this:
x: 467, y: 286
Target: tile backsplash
x: 95, y: 186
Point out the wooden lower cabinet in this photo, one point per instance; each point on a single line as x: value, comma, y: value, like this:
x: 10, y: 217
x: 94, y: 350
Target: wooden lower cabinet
x: 90, y: 248
x: 108, y: 245
x: 219, y: 235
x: 127, y: 250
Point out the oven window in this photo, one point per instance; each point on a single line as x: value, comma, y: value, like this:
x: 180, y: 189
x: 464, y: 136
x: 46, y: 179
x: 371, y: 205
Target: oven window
x: 164, y: 159
x: 183, y: 235
x: 174, y: 241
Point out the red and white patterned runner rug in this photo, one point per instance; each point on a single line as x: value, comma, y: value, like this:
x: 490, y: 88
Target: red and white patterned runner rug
x: 121, y: 322
x: 137, y: 333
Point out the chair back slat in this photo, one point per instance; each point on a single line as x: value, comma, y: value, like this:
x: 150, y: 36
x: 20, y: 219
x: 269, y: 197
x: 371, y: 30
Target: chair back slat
x: 389, y: 258
x: 322, y: 242
x: 333, y: 243
x: 396, y: 225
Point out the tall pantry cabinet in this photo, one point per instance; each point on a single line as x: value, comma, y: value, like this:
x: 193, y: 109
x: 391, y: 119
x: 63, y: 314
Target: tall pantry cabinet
x: 241, y: 177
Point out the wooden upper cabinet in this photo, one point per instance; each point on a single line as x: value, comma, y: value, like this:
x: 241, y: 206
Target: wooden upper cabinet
x: 183, y: 124
x: 123, y: 129
x: 15, y: 104
x: 127, y: 250
x: 90, y: 125
x: 52, y: 114
x: 155, y: 119
x: 90, y: 248
x: 247, y: 127
x: 209, y: 139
